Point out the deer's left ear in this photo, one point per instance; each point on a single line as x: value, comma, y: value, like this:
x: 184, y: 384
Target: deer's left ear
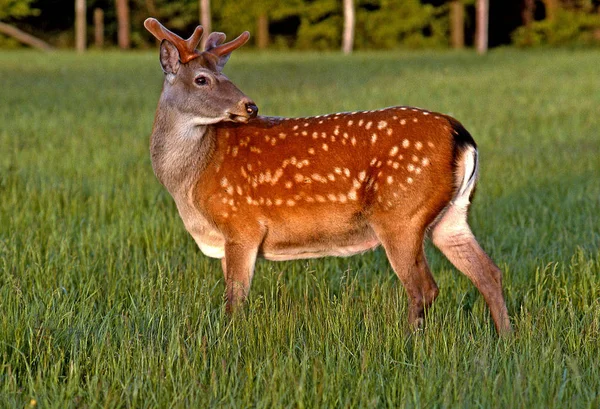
x: 215, y: 39
x: 223, y: 51
x: 169, y: 57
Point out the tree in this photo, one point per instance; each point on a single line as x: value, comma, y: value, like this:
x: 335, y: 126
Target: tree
x: 23, y: 37
x: 551, y: 8
x: 80, y: 26
x: 406, y: 23
x: 205, y: 18
x: 262, y: 30
x: 527, y: 16
x: 240, y: 15
x: 123, y: 23
x: 457, y: 24
x: 98, y: 28
x: 14, y: 9
x: 348, y: 37
x: 482, y: 11
x: 566, y: 22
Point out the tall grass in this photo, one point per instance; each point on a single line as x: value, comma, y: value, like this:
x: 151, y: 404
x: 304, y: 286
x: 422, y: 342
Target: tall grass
x: 105, y: 301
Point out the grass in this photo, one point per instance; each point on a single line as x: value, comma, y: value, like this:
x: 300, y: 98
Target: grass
x: 105, y: 301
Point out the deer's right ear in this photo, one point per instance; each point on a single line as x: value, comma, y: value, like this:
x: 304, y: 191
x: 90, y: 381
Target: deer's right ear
x: 169, y: 57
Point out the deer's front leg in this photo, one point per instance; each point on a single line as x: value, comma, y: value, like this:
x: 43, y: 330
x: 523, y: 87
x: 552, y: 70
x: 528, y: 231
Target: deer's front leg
x: 238, y: 269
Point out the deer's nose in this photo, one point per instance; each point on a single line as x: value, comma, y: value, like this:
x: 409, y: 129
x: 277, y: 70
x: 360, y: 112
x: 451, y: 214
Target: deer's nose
x: 251, y: 109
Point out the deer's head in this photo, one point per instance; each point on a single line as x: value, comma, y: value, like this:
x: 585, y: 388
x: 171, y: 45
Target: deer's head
x: 194, y: 81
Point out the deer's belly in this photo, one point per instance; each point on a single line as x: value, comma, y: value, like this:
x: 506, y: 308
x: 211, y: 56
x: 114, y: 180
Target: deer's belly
x: 213, y: 245
x: 329, y: 249
x: 291, y: 245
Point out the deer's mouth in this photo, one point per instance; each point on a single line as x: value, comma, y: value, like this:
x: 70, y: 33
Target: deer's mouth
x: 238, y: 118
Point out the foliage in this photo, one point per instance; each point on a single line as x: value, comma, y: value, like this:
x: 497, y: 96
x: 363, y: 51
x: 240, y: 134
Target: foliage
x: 388, y: 23
x: 242, y: 15
x: 16, y: 9
x: 180, y: 16
x: 8, y: 42
x: 105, y: 300
x: 568, y: 27
x: 317, y: 24
x: 321, y: 25
x: 379, y: 24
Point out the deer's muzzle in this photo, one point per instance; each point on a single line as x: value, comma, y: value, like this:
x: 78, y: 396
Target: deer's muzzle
x: 247, y: 110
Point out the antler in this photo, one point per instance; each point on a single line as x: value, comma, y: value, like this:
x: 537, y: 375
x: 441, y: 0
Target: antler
x: 224, y: 49
x: 187, y: 48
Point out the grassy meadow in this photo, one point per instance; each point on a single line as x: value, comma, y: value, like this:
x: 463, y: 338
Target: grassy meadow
x: 106, y: 302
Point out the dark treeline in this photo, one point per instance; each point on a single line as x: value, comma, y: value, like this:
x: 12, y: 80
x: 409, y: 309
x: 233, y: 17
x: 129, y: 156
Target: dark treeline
x: 318, y: 24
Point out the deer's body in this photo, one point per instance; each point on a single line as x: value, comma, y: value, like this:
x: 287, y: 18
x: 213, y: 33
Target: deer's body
x: 332, y: 185
x: 281, y: 172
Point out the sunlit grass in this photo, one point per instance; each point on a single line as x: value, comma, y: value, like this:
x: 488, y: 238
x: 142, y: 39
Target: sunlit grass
x: 105, y: 301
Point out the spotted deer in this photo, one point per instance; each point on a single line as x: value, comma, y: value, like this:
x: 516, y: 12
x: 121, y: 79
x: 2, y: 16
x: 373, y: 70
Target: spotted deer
x: 249, y: 186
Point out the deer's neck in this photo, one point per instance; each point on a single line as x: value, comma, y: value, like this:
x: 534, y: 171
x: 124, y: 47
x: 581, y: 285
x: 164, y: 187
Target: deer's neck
x: 180, y: 149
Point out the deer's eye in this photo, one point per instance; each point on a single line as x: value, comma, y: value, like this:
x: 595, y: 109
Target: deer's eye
x: 201, y: 80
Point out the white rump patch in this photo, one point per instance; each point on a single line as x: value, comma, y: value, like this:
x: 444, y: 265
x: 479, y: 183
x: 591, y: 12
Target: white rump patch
x: 470, y: 168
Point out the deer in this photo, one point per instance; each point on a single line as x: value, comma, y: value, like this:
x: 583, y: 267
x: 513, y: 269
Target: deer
x: 249, y: 186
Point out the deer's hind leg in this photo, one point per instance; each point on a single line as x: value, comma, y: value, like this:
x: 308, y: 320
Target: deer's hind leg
x: 404, y: 248
x: 453, y: 236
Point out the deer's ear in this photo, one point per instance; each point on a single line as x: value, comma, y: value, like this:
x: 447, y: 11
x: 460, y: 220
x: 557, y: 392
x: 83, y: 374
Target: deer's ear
x: 215, y: 39
x: 222, y: 61
x: 169, y: 57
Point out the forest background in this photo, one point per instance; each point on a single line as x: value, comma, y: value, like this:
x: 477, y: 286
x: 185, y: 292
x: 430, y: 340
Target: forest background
x: 307, y: 24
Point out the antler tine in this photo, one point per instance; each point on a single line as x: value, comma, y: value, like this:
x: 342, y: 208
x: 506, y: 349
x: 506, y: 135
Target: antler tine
x: 161, y: 32
x: 186, y: 48
x: 227, y: 48
x: 193, y: 41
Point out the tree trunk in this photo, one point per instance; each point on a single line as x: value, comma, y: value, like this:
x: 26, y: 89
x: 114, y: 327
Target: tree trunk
x: 551, y: 8
x: 262, y: 36
x: 123, y: 24
x: 457, y: 24
x: 98, y: 28
x: 205, y: 18
x: 348, y: 37
x: 482, y: 25
x: 24, y: 37
x: 527, y: 15
x: 528, y: 12
x: 80, y: 26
